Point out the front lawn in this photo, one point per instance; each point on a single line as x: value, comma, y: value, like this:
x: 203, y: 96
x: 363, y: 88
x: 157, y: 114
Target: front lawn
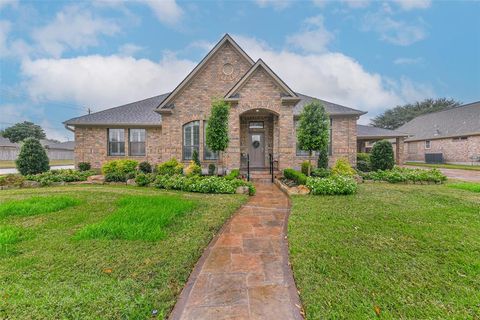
x: 399, y: 251
x: 445, y: 165
x: 114, y: 253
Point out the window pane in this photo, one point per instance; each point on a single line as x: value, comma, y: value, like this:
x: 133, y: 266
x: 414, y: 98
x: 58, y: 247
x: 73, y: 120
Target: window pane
x: 256, y: 125
x: 191, y: 139
x: 137, y: 135
x: 116, y: 142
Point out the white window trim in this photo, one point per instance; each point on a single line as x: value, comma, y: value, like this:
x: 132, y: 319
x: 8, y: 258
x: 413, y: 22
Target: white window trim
x: 429, y: 144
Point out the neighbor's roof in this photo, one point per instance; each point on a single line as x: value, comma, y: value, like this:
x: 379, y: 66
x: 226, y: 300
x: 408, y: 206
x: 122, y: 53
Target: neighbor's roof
x: 136, y: 113
x: 366, y: 132
x: 67, y: 145
x: 331, y: 108
x: 459, y: 121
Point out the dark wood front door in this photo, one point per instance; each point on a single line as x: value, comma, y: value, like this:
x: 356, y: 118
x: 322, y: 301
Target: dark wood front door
x: 256, y: 149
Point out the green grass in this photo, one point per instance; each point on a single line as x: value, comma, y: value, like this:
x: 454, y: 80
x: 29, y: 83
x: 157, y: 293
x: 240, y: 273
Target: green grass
x: 139, y: 218
x: 6, y: 164
x: 8, y: 237
x: 411, y: 251
x: 52, y: 275
x: 470, y: 186
x: 445, y: 165
x: 36, y: 205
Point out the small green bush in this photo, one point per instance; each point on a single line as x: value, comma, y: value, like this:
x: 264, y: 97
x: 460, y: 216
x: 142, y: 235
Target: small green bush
x: 32, y: 158
x: 144, y: 179
x: 234, y: 174
x: 211, y: 169
x: 382, y: 157
x: 120, y: 167
x: 61, y: 175
x: 116, y: 177
x: 322, y: 161
x: 364, y: 166
x: 363, y: 156
x: 195, y: 158
x: 397, y: 175
x: 296, y: 176
x: 334, y: 185
x: 321, y: 173
x: 170, y: 167
x: 15, y: 180
x: 84, y: 166
x: 193, y: 169
x: 342, y: 168
x: 145, y: 167
x: 202, y: 184
x: 305, y: 165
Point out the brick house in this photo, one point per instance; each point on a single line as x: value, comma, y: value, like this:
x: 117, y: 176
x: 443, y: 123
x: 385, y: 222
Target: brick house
x: 262, y: 119
x: 453, y: 133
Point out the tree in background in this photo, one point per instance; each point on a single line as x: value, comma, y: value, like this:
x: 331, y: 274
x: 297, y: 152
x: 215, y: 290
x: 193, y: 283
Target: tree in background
x: 217, y: 127
x: 23, y: 130
x: 312, y: 131
x: 381, y: 157
x: 398, y: 116
x: 32, y: 158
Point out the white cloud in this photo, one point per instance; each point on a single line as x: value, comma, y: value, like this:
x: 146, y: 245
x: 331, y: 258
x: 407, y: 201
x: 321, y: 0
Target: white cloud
x: 408, y: 61
x: 166, y: 11
x: 102, y: 81
x: 129, y: 49
x: 414, y: 4
x: 73, y: 28
x: 357, y: 3
x: 313, y: 38
x: 394, y: 31
x: 276, y: 4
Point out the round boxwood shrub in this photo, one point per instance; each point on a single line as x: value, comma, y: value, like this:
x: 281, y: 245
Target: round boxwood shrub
x: 84, y: 166
x: 381, y: 157
x: 145, y: 167
x: 32, y: 158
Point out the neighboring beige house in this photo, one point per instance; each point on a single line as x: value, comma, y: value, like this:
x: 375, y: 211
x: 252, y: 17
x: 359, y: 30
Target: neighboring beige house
x: 451, y: 136
x: 55, y: 150
x: 262, y: 119
x: 367, y: 136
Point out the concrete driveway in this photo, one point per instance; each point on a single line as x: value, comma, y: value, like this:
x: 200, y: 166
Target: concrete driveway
x: 459, y: 174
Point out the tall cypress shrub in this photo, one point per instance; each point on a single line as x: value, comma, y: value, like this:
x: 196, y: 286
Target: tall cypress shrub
x: 382, y: 157
x: 32, y: 158
x: 217, y: 127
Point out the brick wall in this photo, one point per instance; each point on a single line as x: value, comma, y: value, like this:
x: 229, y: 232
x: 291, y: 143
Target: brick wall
x: 460, y: 151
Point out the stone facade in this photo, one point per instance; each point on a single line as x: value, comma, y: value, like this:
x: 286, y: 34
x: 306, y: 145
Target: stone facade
x: 454, y: 150
x: 218, y: 75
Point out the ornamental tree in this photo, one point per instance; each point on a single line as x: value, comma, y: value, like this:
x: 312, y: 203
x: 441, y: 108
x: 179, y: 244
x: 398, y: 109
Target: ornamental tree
x: 312, y: 131
x: 23, y: 130
x: 382, y: 157
x: 32, y: 158
x: 217, y: 127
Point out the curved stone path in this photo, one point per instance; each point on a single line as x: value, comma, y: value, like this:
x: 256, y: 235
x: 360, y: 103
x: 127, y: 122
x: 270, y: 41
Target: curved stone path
x: 244, y: 273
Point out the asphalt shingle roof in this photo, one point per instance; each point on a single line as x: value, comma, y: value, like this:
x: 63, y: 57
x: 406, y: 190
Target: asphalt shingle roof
x: 459, y: 121
x: 374, y: 132
x: 136, y: 113
x: 143, y: 112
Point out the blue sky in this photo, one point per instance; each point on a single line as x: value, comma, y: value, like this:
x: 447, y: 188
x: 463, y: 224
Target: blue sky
x: 58, y: 58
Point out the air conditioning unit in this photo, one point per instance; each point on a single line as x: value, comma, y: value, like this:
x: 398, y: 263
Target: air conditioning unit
x: 434, y: 158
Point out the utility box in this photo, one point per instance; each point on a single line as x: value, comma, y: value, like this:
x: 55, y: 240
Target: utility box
x: 433, y: 157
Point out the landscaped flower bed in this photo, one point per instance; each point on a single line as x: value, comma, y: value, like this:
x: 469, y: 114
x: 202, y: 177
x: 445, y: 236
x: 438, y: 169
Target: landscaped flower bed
x: 405, y: 175
x: 62, y: 175
x: 202, y: 184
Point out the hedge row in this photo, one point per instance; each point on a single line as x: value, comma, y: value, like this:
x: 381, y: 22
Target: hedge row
x: 62, y: 175
x: 202, y: 184
x: 397, y: 175
x: 334, y: 185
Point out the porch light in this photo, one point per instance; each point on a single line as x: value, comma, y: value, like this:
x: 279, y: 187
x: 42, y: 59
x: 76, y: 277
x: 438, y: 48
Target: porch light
x: 258, y: 110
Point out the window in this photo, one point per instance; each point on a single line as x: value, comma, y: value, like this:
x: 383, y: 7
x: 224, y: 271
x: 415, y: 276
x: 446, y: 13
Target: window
x: 207, y: 153
x: 191, y: 139
x: 459, y: 139
x: 136, y: 145
x: 116, y: 142
x: 427, y: 144
x: 255, y: 125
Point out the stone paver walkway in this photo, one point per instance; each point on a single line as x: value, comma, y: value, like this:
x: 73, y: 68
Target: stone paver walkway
x: 244, y: 273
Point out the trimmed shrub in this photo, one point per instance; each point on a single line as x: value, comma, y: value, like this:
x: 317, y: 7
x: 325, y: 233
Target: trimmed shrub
x: 305, y: 165
x: 211, y: 169
x: 193, y: 169
x: 334, y: 185
x: 201, y: 184
x: 397, y: 175
x: 144, y: 179
x: 234, y: 174
x: 118, y: 167
x: 296, y: 176
x: 84, y: 166
x: 32, y: 158
x: 363, y: 156
x: 145, y: 167
x: 116, y: 177
x: 195, y: 158
x: 15, y: 180
x: 322, y: 161
x: 170, y: 167
x: 342, y: 168
x: 62, y: 175
x: 382, y: 157
x: 321, y: 173
x: 363, y: 166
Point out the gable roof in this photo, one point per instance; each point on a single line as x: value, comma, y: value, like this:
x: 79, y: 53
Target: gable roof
x: 365, y: 132
x: 332, y: 109
x: 459, y: 121
x: 230, y: 96
x: 226, y: 38
x: 136, y: 113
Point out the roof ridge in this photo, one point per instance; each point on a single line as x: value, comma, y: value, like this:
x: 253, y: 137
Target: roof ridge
x: 451, y: 107
x: 340, y: 105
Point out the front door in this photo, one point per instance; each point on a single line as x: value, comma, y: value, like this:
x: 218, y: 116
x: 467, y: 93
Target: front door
x: 256, y: 149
